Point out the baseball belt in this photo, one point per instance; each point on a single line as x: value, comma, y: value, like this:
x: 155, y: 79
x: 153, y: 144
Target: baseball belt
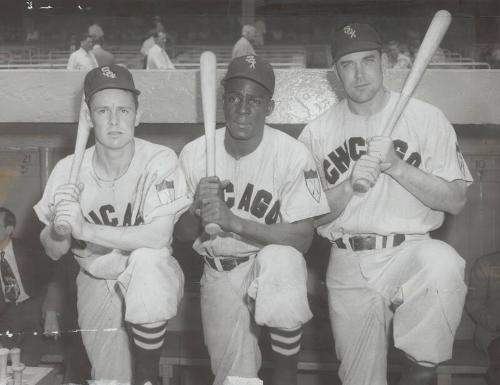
x: 369, y: 242
x: 225, y: 263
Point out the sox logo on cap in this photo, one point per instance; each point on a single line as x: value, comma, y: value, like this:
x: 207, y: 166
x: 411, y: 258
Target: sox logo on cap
x: 351, y: 32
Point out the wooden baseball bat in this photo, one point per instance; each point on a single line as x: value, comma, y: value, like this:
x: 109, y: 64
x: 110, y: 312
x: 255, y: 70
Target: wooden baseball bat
x: 432, y: 39
x: 82, y: 136
x: 208, y: 76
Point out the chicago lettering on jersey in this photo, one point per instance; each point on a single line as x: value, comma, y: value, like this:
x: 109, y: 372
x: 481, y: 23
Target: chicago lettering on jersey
x: 257, y: 203
x: 106, y: 216
x: 339, y: 160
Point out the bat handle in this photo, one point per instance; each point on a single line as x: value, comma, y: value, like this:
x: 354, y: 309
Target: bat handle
x: 361, y: 186
x: 212, y: 229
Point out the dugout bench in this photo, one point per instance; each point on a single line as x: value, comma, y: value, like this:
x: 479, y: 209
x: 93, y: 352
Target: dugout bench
x: 37, y: 120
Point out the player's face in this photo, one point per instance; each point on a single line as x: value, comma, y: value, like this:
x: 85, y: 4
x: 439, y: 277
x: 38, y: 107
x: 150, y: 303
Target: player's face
x: 246, y: 106
x: 361, y: 75
x: 114, y: 117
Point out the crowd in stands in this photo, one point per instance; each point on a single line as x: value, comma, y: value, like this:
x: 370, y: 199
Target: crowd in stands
x: 401, y: 42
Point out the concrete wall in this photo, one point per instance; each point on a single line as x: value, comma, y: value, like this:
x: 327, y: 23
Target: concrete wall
x: 465, y: 96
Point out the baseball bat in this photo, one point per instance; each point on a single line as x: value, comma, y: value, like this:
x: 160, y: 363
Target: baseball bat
x: 82, y: 136
x: 432, y: 39
x: 208, y: 76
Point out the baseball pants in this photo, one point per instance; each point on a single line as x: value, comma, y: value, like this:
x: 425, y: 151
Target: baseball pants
x: 147, y: 291
x: 419, y: 286
x: 268, y: 290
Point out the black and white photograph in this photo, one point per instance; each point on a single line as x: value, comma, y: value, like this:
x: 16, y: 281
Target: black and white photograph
x: 249, y: 192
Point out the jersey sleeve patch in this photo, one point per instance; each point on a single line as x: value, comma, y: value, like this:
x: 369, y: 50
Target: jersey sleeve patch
x: 166, y: 191
x: 313, y: 184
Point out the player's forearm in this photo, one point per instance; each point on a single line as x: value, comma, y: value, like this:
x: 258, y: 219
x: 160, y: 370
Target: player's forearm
x: 154, y: 235
x: 431, y: 190
x: 298, y: 234
x: 338, y: 197
x: 54, y: 245
x: 188, y: 227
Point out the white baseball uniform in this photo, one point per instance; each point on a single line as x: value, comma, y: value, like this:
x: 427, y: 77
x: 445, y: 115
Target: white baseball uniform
x: 143, y: 286
x: 422, y: 278
x: 276, y: 183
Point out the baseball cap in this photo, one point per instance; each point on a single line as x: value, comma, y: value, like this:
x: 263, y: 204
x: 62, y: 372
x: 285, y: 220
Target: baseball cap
x: 251, y: 67
x: 354, y: 37
x: 111, y: 76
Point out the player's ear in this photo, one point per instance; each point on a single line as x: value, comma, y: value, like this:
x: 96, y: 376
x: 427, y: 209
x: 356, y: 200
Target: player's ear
x: 334, y: 68
x: 270, y: 107
x: 138, y: 115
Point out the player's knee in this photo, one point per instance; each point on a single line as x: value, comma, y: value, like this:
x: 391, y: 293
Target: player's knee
x: 284, y: 263
x: 439, y: 260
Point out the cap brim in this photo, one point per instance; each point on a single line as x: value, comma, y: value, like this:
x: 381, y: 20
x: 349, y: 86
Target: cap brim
x: 109, y: 87
x: 356, y: 47
x: 245, y: 76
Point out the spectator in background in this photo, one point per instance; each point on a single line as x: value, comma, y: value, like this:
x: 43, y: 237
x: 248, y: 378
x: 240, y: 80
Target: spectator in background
x: 24, y: 272
x: 394, y: 58
x: 157, y: 56
x: 244, y: 46
x: 155, y: 28
x: 260, y: 31
x: 483, y: 305
x: 83, y: 58
x: 95, y: 31
x: 146, y: 46
x: 103, y: 57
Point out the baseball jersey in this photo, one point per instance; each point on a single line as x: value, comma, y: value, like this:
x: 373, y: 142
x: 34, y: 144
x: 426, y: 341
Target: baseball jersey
x: 423, y: 137
x: 276, y: 183
x: 152, y: 181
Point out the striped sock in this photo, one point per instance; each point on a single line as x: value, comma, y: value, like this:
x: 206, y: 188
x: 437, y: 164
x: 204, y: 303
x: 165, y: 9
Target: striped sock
x: 285, y: 344
x: 286, y: 341
x: 148, y: 342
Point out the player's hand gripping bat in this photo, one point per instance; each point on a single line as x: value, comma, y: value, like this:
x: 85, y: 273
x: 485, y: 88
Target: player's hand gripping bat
x: 435, y: 33
x: 208, y: 75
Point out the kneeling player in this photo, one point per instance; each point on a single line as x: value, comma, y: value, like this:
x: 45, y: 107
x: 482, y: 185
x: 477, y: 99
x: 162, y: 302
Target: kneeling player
x: 121, y: 215
x: 254, y: 270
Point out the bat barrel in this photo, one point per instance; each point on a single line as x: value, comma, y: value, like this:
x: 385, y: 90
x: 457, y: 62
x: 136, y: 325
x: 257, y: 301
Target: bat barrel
x: 208, y: 77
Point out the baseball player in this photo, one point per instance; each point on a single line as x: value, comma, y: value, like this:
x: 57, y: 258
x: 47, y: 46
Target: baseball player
x: 265, y: 193
x: 121, y: 214
x: 383, y: 265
